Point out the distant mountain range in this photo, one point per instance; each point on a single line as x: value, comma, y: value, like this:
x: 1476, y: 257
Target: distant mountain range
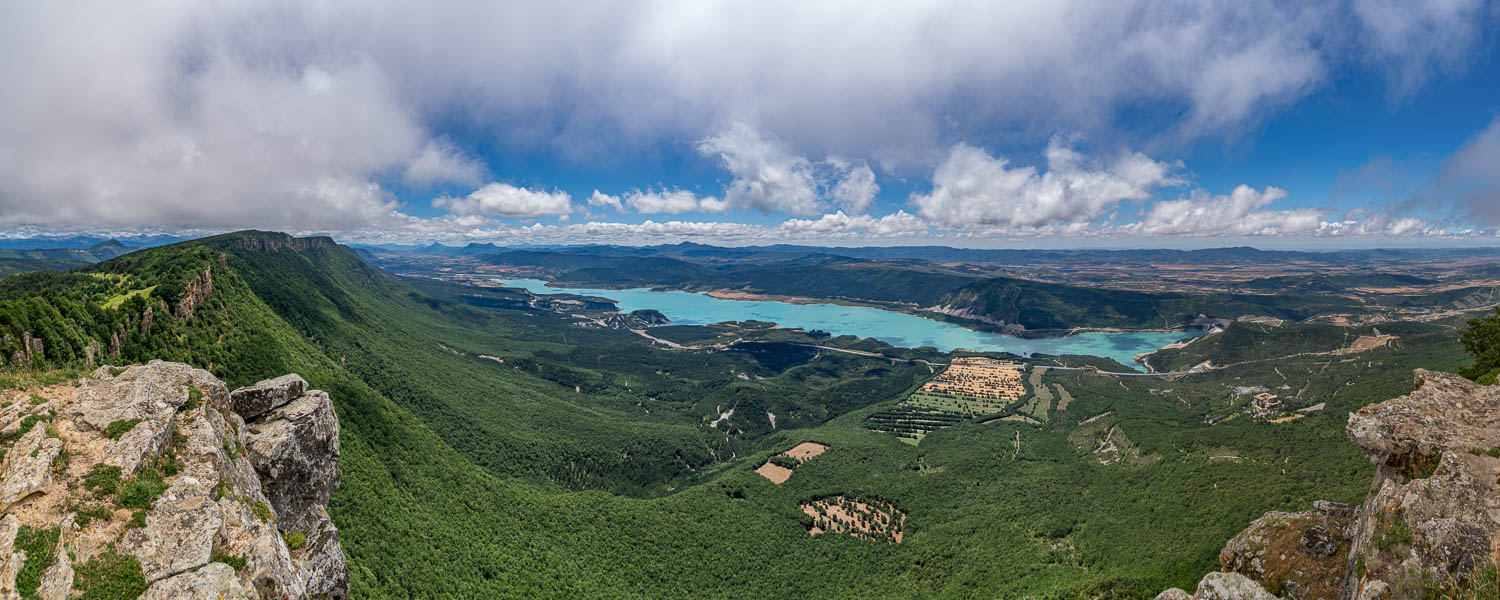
x: 1234, y: 255
x: 20, y: 260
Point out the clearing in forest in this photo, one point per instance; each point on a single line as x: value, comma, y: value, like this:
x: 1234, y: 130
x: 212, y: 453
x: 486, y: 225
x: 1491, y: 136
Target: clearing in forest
x: 1041, y: 397
x: 788, y: 461
x: 973, y: 386
x: 867, y: 520
x: 1063, y: 397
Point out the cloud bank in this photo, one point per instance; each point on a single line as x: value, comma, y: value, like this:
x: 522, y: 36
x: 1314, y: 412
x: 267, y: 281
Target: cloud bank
x: 312, y: 116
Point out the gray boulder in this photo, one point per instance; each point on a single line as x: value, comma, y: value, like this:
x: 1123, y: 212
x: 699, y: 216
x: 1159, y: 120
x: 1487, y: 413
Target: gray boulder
x: 216, y: 580
x: 178, y: 536
x: 252, y: 401
x: 27, y: 467
x: 1230, y: 586
x: 295, y: 450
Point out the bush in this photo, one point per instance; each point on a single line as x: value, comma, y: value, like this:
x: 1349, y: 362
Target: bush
x: 142, y: 490
x: 195, y: 399
x: 110, y: 576
x: 119, y: 428
x: 40, y: 546
x: 102, y: 479
x: 294, y: 539
x: 223, y: 557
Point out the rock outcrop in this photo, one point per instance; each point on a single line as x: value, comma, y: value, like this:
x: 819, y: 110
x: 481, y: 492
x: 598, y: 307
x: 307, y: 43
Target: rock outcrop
x: 154, y: 468
x: 1431, y: 519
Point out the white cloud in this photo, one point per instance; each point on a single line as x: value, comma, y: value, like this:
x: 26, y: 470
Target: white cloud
x: 1239, y: 213
x: 767, y: 174
x: 971, y: 189
x: 1413, y: 41
x: 505, y: 200
x: 440, y: 162
x: 674, y: 201
x: 283, y: 114
x: 602, y: 200
x: 855, y: 188
x: 894, y: 224
x: 1470, y: 178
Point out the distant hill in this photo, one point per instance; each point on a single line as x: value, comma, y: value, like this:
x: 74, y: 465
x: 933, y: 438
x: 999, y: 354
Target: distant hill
x: 14, y: 260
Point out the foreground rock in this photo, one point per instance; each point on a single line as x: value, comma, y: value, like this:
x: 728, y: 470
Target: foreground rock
x: 1431, y: 519
x: 162, y: 475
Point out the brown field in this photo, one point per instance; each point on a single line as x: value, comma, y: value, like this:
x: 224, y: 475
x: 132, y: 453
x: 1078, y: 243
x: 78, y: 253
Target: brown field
x: 1287, y: 419
x: 805, y: 450
x: 979, y: 377
x: 802, y: 453
x: 1367, y: 342
x: 777, y: 475
x: 873, y: 520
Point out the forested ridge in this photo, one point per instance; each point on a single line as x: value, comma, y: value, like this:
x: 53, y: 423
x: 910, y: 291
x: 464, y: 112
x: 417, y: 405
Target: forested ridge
x: 514, y: 453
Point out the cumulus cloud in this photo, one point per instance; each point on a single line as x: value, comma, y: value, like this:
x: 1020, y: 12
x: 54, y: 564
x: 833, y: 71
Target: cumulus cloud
x: 508, y: 201
x: 768, y: 175
x: 673, y: 201
x: 854, y: 188
x: 973, y: 189
x: 1238, y: 213
x: 602, y: 200
x: 291, y: 114
x: 440, y: 162
x: 897, y: 223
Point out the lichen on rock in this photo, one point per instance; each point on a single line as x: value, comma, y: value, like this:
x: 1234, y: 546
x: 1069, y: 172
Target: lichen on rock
x: 180, y: 493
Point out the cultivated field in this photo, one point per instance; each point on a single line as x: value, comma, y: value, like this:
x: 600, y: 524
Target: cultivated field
x: 972, y: 386
x: 867, y: 520
x: 801, y: 453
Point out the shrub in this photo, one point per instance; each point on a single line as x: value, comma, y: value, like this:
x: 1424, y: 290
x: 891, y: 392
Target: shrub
x: 40, y: 546
x: 110, y: 576
x: 37, y: 399
x: 83, y: 515
x: 195, y: 399
x: 294, y: 539
x: 142, y: 490
x: 102, y: 479
x: 220, y: 555
x: 119, y: 428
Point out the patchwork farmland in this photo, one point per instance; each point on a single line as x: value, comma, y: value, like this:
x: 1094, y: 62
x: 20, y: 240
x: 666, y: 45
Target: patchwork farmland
x: 971, y: 387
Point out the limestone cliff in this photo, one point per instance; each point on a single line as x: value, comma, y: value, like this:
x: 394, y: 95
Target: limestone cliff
x: 1430, y: 526
x: 149, y: 482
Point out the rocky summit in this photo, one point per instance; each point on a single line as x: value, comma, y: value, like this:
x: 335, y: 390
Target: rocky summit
x: 148, y: 481
x: 1430, y: 523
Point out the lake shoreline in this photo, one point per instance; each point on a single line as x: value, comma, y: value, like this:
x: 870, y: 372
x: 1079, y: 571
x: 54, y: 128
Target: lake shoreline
x: 902, y: 328
x: 913, y: 310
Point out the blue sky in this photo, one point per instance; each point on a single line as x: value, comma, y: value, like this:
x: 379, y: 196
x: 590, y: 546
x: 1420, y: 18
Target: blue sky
x: 1316, y: 124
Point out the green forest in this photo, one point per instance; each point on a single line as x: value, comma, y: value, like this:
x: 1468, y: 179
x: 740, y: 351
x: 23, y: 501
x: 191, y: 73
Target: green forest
x: 492, y: 449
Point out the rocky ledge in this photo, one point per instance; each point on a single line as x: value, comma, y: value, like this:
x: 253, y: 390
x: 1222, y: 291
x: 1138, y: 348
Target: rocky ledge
x: 1430, y: 525
x: 149, y: 482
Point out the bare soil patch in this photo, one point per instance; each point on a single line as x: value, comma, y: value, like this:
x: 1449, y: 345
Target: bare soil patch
x: 801, y: 453
x: 776, y: 474
x: 805, y: 450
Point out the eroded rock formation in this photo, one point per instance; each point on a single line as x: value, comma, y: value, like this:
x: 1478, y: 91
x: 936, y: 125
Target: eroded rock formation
x: 1430, y: 521
x: 152, y: 470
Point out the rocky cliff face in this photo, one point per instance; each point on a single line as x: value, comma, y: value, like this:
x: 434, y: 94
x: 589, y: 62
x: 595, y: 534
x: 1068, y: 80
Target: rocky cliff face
x: 1430, y: 526
x: 149, y: 481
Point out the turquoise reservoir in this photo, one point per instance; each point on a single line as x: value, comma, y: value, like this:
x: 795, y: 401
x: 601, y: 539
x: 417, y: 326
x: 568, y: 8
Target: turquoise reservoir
x: 898, y: 329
